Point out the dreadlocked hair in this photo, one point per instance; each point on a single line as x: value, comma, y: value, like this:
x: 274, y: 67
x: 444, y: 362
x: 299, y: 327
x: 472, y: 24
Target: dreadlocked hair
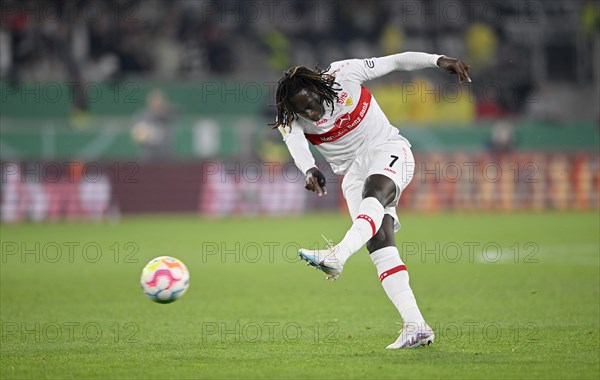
x: 296, y: 79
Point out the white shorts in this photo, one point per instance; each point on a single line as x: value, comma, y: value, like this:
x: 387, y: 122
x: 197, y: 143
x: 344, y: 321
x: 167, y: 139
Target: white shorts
x: 392, y: 159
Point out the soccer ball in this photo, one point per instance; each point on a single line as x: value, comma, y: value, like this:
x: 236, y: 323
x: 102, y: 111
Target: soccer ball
x: 165, y: 279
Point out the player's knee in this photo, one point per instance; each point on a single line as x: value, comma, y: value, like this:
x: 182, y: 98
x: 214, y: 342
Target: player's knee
x: 381, y: 188
x: 384, y: 236
x: 378, y: 241
x: 378, y: 194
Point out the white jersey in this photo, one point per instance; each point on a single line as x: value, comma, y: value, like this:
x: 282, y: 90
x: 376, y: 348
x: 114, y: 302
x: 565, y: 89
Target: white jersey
x: 357, y: 121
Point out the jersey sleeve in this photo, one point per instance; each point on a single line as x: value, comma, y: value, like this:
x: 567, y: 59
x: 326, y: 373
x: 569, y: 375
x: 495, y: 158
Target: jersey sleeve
x: 298, y: 146
x: 362, y: 70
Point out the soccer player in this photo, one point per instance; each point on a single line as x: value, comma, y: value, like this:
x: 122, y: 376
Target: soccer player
x: 333, y: 111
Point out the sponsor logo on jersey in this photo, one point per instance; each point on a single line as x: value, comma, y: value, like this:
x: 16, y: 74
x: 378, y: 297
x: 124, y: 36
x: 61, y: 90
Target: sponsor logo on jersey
x: 345, y: 99
x: 322, y: 121
x: 345, y: 123
x: 342, y: 98
x: 369, y: 63
x: 341, y: 120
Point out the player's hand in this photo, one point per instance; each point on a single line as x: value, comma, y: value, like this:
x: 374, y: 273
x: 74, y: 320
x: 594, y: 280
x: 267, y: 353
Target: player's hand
x: 455, y: 66
x: 315, y: 182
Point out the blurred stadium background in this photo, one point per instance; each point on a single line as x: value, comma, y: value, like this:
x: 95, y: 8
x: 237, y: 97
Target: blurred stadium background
x: 111, y: 108
x: 156, y: 113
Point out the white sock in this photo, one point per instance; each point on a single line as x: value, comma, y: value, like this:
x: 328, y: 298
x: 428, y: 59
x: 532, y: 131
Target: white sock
x: 365, y: 226
x: 394, y: 279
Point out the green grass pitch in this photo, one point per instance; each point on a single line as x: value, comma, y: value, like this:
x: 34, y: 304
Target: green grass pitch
x: 510, y: 296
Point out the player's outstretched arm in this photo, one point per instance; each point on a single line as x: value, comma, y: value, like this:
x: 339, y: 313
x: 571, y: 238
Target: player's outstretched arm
x: 362, y: 70
x: 315, y: 181
x: 455, y: 66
